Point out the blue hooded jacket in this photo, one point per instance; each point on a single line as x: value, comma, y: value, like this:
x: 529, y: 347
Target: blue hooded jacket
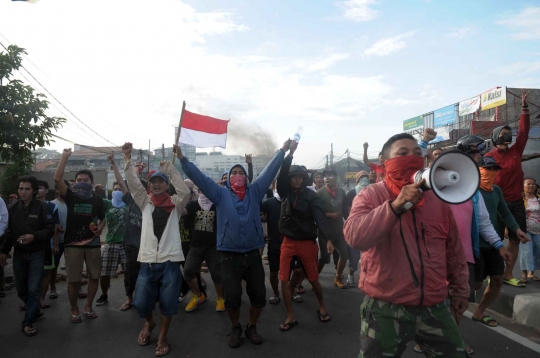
x: 239, y: 227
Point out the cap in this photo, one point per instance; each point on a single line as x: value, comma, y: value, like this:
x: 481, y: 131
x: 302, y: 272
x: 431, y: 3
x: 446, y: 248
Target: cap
x: 488, y: 162
x: 360, y: 174
x: 152, y: 172
x: 329, y: 171
x: 159, y: 175
x: 298, y: 170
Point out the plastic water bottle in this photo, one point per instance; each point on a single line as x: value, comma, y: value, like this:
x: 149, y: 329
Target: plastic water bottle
x: 298, y: 134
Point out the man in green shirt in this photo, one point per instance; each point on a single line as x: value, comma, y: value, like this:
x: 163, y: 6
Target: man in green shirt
x: 113, y: 252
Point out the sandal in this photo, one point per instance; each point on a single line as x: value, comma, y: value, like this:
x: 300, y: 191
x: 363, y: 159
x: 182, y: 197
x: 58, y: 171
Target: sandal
x: 534, y: 278
x: 298, y: 299
x: 524, y: 279
x: 53, y: 296
x: 83, y: 295
x: 299, y: 290
x: 126, y: 306
x: 29, y: 331
x: 160, y: 352
x: 141, y: 339
x: 75, y: 319
x: 323, y: 317
x: 274, y: 300
x: 90, y: 315
x: 514, y: 282
x: 44, y: 306
x: 418, y: 349
x: 287, y: 326
x: 486, y: 320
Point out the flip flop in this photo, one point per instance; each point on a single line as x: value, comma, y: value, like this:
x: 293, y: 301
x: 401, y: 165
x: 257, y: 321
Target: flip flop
x: 417, y: 349
x: 288, y: 326
x: 141, y: 340
x: 75, y: 319
x: 53, y: 296
x: 29, y: 332
x: 486, y: 320
x: 126, y: 306
x: 274, y: 300
x: 534, y: 278
x: 299, y: 290
x: 45, y: 305
x: 323, y: 317
x: 514, y: 282
x: 83, y: 295
x: 90, y: 315
x: 298, y: 299
x: 163, y: 351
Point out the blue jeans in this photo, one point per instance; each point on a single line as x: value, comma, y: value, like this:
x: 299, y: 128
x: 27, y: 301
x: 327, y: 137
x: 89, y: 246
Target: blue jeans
x: 28, y: 271
x: 529, y: 253
x: 158, y: 282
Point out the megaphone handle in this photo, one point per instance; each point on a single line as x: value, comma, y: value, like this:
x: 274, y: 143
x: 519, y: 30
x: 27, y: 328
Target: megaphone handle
x: 409, y: 205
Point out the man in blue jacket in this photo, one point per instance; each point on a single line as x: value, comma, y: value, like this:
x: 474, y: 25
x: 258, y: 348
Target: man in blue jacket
x: 239, y: 237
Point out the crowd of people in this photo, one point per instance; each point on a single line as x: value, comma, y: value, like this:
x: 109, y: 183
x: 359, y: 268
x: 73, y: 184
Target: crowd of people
x: 420, y: 265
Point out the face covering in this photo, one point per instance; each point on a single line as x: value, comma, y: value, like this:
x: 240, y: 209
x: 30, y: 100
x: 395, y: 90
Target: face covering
x: 117, y: 199
x: 487, y: 178
x: 505, y: 139
x: 204, y: 202
x: 238, y: 185
x: 362, y: 183
x: 192, y: 193
x: 399, y: 171
x: 82, y: 190
x: 163, y: 201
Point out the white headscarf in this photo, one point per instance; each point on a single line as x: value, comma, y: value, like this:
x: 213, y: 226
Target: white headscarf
x: 204, y: 202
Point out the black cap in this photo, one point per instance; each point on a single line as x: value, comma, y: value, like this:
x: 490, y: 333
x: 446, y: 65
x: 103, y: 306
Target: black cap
x: 298, y: 170
x: 329, y: 171
x: 488, y: 162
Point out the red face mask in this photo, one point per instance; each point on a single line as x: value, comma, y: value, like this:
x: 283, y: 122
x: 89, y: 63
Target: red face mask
x: 238, y: 185
x: 399, y: 171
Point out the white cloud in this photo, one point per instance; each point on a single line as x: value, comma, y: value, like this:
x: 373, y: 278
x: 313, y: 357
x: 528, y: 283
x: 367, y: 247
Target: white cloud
x: 520, y: 68
x: 526, y: 24
x: 461, y: 32
x: 358, y: 10
x: 388, y: 45
x: 327, y: 62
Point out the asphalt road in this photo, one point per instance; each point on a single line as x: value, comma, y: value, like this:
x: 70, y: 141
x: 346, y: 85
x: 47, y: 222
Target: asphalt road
x: 203, y: 332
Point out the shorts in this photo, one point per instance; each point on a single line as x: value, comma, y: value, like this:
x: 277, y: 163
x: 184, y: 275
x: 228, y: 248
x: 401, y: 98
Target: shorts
x: 339, y: 245
x: 306, y: 251
x: 195, y: 258
x: 49, y: 260
x: 158, y: 282
x: 248, y: 266
x: 517, y: 208
x: 273, y: 259
x: 76, y: 257
x: 490, y: 263
x: 112, y: 255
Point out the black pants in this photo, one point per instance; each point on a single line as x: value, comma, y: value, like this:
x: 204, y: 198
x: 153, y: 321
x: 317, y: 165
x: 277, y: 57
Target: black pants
x: 132, y: 268
x: 185, y: 286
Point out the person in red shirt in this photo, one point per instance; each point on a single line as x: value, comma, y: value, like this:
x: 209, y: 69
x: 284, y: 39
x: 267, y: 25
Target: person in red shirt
x: 378, y: 169
x: 510, y: 179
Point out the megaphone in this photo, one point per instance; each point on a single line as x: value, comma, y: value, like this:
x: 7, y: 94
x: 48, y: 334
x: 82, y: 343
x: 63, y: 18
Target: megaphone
x: 454, y: 178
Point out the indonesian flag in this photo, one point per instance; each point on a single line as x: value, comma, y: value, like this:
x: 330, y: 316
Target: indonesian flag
x: 203, y: 131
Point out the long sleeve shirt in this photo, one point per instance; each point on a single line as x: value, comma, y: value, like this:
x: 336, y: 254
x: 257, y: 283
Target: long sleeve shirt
x: 4, y: 216
x: 496, y: 207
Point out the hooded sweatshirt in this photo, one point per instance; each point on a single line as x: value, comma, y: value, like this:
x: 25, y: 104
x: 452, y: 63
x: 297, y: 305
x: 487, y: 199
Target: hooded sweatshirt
x: 432, y: 241
x: 239, y: 227
x: 510, y: 176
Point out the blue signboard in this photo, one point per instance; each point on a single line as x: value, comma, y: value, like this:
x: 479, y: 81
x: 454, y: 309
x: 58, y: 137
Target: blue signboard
x: 444, y: 116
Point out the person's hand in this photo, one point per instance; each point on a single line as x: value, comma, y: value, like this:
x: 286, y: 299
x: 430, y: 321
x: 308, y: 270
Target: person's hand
x: 292, y: 147
x: 162, y: 163
x: 248, y: 159
x: 524, y: 96
x: 56, y: 249
x: 522, y: 236
x: 366, y: 145
x: 97, y: 231
x: 505, y: 254
x: 429, y: 134
x: 144, y: 165
x: 329, y: 247
x: 98, y: 187
x: 409, y: 194
x: 3, y: 259
x: 460, y: 304
x: 110, y: 158
x: 26, y: 239
x: 61, y: 229
x: 127, y: 148
x: 372, y: 177
x: 263, y: 217
x: 178, y: 151
x: 66, y: 153
x: 332, y: 215
x: 286, y: 145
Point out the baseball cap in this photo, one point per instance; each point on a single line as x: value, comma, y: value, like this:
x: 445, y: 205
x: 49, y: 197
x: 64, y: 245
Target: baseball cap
x: 328, y: 172
x: 159, y: 175
x: 488, y: 162
x: 360, y: 174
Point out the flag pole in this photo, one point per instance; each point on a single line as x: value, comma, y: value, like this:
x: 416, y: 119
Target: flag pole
x: 179, y: 128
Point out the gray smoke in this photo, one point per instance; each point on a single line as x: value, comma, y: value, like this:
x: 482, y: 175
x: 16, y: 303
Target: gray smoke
x: 250, y: 138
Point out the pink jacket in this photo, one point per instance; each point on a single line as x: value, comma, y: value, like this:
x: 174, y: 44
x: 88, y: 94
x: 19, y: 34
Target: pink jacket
x: 434, y: 247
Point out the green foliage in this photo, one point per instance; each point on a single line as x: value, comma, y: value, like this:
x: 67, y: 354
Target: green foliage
x: 24, y: 125
x: 9, y: 177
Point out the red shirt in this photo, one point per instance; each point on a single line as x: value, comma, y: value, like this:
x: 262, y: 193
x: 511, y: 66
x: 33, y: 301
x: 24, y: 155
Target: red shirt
x: 510, y: 177
x: 379, y: 170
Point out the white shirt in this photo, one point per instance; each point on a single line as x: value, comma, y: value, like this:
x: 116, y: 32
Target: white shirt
x: 4, y: 216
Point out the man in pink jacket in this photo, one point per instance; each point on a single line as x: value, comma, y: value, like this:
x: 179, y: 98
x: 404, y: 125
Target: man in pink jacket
x: 412, y: 261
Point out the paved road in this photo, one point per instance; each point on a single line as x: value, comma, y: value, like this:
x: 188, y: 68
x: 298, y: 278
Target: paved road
x: 203, y: 333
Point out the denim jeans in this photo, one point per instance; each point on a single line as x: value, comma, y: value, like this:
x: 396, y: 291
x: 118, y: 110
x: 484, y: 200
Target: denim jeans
x: 529, y: 253
x: 28, y: 269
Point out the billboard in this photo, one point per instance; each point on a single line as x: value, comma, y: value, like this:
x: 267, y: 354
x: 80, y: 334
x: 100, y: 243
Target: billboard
x: 444, y: 116
x: 493, y: 98
x: 443, y: 134
x: 469, y: 106
x: 413, y: 123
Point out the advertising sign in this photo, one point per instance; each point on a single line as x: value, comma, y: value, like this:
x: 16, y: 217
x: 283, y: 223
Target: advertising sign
x: 469, y: 106
x: 413, y: 123
x: 443, y: 134
x: 444, y: 116
x: 350, y: 175
x: 494, y: 98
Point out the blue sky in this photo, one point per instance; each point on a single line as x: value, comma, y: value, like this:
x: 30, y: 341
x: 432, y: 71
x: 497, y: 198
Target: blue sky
x: 347, y: 71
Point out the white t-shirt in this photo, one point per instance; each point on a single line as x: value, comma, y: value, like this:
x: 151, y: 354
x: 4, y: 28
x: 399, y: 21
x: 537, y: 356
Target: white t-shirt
x: 62, y: 216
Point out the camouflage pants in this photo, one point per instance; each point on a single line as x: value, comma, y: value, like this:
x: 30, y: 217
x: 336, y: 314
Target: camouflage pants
x: 387, y: 328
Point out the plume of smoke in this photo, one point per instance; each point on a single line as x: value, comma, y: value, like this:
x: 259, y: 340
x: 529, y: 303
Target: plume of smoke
x: 251, y: 138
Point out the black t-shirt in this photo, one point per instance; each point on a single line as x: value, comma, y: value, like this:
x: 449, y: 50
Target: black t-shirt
x: 133, y: 224
x: 272, y: 209
x: 160, y: 217
x: 351, y: 194
x: 203, y: 225
x: 83, y: 216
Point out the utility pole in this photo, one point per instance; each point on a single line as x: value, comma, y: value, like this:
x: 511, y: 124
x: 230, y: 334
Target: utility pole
x: 331, y: 153
x: 326, y: 166
x: 348, y: 166
x: 163, y: 151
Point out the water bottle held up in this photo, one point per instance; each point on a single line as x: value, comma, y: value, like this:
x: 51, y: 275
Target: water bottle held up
x: 298, y: 134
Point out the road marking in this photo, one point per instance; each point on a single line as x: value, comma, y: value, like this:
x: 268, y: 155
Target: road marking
x: 509, y: 334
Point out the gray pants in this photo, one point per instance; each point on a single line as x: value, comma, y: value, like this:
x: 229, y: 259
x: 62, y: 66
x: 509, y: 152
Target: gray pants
x: 195, y: 258
x: 339, y: 245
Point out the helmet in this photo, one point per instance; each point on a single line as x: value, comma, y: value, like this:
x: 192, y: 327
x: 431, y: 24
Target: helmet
x: 464, y: 143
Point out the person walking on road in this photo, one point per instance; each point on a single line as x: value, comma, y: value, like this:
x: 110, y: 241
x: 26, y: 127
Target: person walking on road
x: 530, y: 252
x: 62, y: 217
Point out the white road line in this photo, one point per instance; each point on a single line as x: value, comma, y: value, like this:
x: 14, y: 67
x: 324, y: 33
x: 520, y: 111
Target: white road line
x: 509, y: 334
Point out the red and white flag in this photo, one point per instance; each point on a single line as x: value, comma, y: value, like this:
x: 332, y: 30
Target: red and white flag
x: 203, y: 131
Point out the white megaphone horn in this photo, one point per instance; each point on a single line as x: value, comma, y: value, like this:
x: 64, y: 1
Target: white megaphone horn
x: 454, y: 178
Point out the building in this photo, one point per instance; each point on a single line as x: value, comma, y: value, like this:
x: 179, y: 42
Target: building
x: 163, y: 153
x: 214, y: 164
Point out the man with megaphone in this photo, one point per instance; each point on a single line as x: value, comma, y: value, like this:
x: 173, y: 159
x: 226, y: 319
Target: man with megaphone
x: 412, y: 260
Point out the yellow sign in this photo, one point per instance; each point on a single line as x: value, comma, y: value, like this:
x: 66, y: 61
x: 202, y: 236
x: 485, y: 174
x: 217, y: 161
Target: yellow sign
x: 350, y: 175
x: 494, y: 98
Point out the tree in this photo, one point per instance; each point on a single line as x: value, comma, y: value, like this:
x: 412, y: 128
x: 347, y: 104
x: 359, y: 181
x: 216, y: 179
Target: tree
x: 8, y: 178
x: 46, y: 153
x: 24, y: 125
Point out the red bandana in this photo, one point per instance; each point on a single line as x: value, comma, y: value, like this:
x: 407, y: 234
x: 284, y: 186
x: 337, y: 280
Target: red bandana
x: 332, y: 192
x: 163, y: 201
x: 399, y: 171
x: 238, y: 185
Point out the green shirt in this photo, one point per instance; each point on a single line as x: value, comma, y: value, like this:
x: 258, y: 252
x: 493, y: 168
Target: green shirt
x: 496, y: 206
x: 115, y: 218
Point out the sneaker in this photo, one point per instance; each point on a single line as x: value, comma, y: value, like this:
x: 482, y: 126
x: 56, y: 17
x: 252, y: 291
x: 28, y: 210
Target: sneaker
x: 101, y: 300
x: 338, y: 282
x: 236, y: 334
x: 195, y: 301
x: 350, y: 281
x: 182, y: 297
x: 251, y: 334
x: 220, y: 305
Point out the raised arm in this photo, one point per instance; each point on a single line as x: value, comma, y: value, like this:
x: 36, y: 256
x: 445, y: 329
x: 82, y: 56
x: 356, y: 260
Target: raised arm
x: 429, y: 135
x: 137, y: 189
x: 117, y: 174
x: 249, y: 162
x: 209, y: 188
x: 59, y: 173
x: 182, y: 191
x: 524, y: 123
x: 282, y: 185
x: 269, y: 172
x: 365, y: 159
